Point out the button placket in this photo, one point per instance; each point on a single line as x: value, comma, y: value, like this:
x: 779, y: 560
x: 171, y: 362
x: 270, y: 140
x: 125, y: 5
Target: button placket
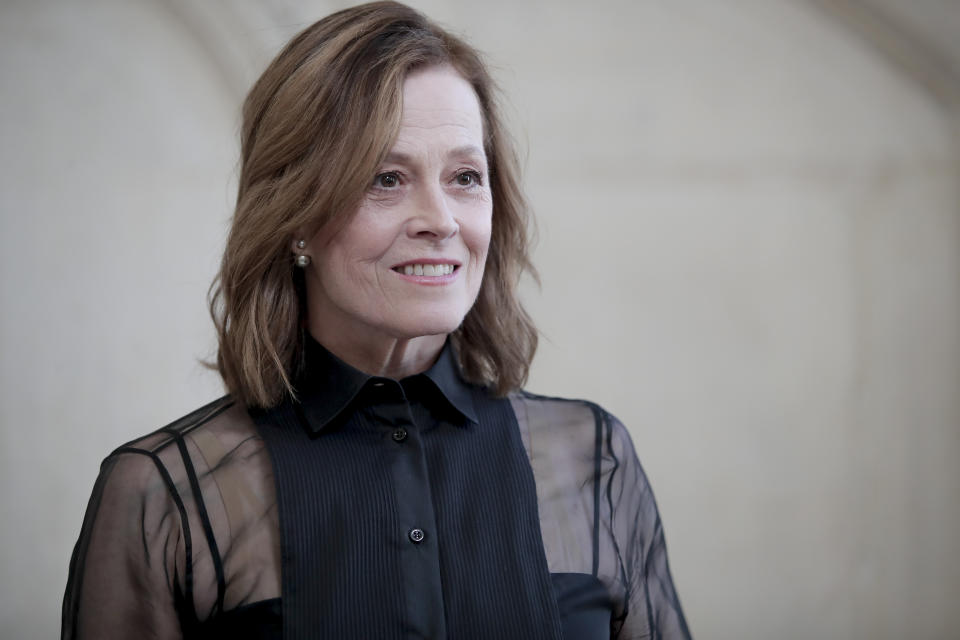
x: 419, y: 559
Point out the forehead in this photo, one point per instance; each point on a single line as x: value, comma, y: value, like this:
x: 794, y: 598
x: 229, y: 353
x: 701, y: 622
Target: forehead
x: 439, y: 107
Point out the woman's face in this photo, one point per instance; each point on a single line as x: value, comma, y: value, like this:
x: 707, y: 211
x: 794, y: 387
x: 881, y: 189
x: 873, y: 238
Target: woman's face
x: 410, y: 261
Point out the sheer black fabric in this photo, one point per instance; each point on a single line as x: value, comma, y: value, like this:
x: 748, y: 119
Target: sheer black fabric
x: 184, y: 536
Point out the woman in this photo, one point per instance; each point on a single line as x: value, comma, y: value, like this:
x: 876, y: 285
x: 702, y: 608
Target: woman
x: 375, y: 471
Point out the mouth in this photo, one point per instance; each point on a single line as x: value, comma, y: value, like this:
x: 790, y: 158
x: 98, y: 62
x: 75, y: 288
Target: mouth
x: 427, y: 269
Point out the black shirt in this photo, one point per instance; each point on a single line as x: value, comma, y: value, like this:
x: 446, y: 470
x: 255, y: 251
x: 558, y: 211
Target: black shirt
x: 376, y: 508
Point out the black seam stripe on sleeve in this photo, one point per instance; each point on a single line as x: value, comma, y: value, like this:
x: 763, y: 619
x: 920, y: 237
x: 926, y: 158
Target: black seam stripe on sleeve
x: 78, y: 560
x: 597, y: 458
x: 628, y: 588
x: 184, y: 523
x: 204, y: 521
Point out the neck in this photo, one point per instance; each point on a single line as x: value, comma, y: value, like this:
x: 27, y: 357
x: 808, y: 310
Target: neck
x: 385, y: 356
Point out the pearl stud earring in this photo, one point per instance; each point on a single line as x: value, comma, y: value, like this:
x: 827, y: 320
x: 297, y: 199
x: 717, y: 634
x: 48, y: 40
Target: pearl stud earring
x: 303, y: 260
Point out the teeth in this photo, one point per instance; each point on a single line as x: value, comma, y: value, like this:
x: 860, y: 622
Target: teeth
x: 427, y: 269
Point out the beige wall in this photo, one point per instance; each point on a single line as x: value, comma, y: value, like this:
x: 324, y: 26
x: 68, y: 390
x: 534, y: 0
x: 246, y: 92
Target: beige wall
x: 750, y: 252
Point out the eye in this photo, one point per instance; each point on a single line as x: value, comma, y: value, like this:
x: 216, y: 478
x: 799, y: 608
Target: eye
x: 468, y: 178
x: 387, y: 180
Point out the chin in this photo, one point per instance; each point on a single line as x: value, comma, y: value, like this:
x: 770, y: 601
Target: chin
x: 431, y: 324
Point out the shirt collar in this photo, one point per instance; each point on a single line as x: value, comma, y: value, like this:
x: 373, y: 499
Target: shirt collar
x: 329, y: 385
x: 445, y: 375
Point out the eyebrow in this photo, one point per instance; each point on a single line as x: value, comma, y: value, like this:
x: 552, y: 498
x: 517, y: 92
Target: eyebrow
x: 465, y: 150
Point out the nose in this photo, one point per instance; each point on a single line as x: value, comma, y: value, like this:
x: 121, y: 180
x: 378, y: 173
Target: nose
x: 433, y: 218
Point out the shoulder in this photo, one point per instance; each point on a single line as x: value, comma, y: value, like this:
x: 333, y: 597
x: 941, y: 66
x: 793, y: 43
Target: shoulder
x: 223, y: 415
x: 165, y: 503
x: 570, y: 427
x: 198, y: 483
x: 169, y: 463
x: 566, y: 416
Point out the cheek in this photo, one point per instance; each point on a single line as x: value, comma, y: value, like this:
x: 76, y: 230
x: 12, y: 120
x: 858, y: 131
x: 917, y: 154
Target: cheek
x: 360, y: 244
x: 477, y: 235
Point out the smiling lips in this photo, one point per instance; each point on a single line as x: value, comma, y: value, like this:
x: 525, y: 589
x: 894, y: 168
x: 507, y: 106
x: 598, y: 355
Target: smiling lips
x: 430, y: 270
x: 427, y: 269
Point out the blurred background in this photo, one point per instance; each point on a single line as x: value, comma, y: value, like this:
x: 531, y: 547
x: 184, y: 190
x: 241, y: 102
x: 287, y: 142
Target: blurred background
x: 749, y: 217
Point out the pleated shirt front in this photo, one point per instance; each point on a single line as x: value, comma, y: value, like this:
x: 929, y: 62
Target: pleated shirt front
x: 407, y: 509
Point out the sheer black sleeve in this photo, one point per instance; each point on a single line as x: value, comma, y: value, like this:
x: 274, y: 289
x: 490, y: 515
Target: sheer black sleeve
x: 598, y: 515
x: 638, y: 540
x: 124, y: 567
x: 181, y: 527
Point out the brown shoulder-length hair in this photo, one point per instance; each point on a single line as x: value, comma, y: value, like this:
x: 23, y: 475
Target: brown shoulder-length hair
x: 316, y: 126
